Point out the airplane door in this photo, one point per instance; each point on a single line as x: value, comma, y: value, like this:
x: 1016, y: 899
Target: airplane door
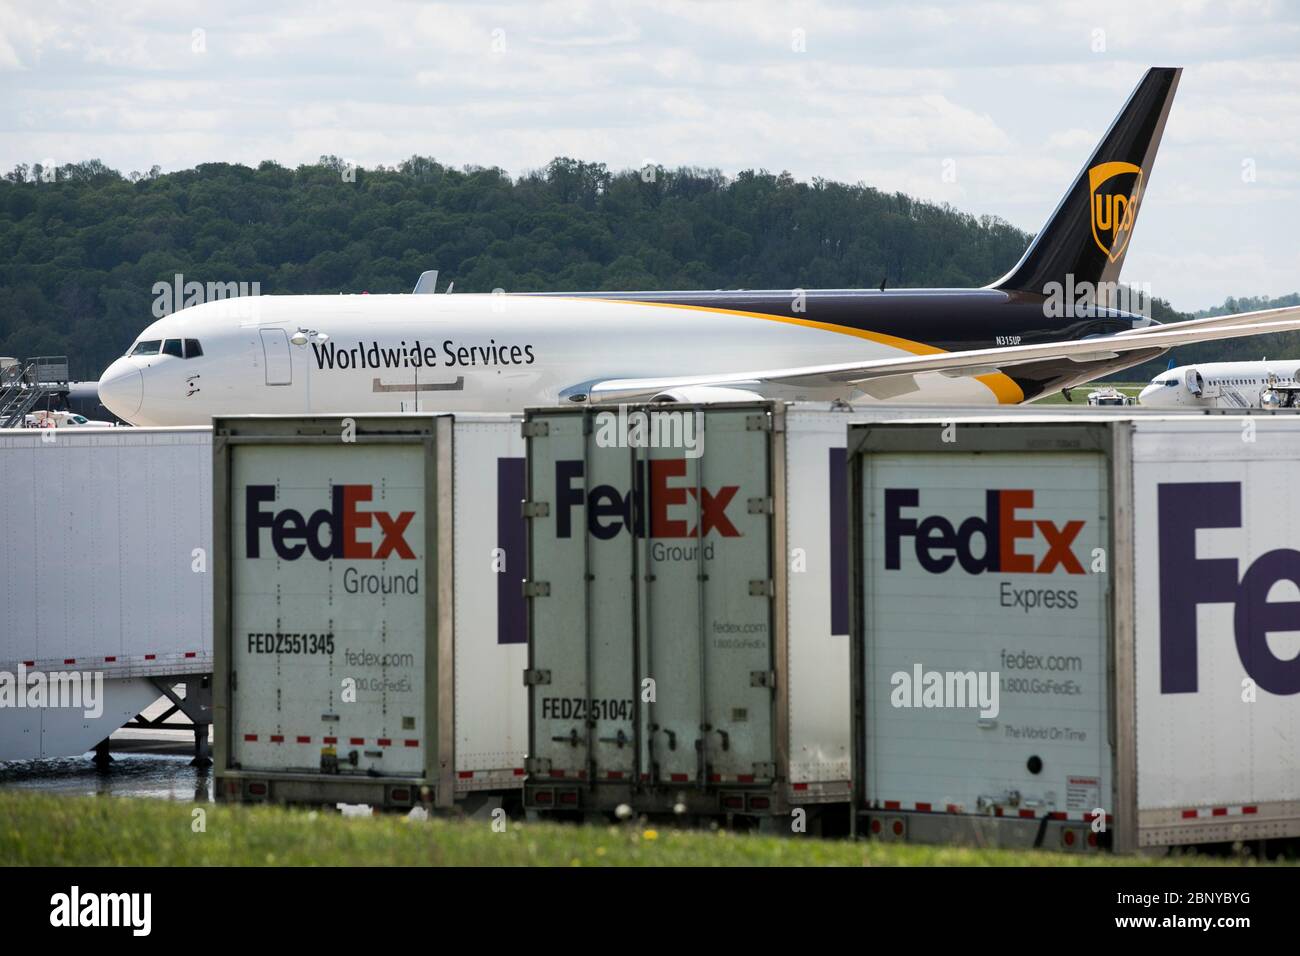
x: 275, y: 350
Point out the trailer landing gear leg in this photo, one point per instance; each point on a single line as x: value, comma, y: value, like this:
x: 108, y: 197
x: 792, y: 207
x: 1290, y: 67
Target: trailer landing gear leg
x: 202, y: 754
x: 102, y: 757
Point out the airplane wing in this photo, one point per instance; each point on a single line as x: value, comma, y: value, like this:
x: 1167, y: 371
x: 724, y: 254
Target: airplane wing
x: 956, y: 364
x: 1221, y: 321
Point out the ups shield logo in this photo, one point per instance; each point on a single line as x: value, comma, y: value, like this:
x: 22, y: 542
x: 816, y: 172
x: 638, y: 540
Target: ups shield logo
x: 1114, y: 190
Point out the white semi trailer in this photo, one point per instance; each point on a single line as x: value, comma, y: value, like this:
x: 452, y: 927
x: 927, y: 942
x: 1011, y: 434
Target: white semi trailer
x: 105, y: 537
x: 369, y: 614
x: 1077, y: 632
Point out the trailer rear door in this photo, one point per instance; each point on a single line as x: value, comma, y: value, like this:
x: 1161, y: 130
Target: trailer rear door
x: 651, y: 612
x: 332, y: 635
x: 984, y: 610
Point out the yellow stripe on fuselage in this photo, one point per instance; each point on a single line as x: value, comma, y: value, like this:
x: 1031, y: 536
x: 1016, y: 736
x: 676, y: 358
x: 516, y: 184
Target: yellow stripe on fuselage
x: 1004, y: 389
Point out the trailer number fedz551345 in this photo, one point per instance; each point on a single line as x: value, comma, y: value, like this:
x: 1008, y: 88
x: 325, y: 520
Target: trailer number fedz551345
x: 577, y: 708
x: 281, y: 643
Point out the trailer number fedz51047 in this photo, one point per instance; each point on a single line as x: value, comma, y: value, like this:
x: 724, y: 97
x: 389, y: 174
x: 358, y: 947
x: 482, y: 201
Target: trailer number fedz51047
x: 577, y: 708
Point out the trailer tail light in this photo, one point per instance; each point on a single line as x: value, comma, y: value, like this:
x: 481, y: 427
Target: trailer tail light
x: 400, y: 795
x: 544, y: 798
x: 733, y: 801
x: 889, y: 828
x: 256, y: 790
x: 760, y: 803
x: 1078, y: 838
x: 569, y: 797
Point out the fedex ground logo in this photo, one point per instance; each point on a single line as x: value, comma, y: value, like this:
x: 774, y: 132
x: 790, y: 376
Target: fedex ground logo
x: 669, y: 510
x: 346, y: 530
x: 1188, y: 579
x: 995, y: 541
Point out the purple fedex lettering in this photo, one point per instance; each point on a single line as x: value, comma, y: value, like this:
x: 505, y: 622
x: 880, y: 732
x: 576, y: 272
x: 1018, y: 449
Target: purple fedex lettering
x: 1186, y: 581
x: 512, y: 532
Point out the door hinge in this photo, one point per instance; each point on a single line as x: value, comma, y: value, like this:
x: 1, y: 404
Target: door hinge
x: 537, y: 765
x: 535, y: 429
x: 535, y: 509
x: 534, y: 676
x: 537, y: 589
x: 758, y: 423
x: 761, y: 588
x: 762, y: 678
x: 760, y: 506
x: 765, y: 770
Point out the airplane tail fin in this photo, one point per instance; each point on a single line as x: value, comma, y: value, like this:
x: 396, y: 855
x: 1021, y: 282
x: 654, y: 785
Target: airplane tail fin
x: 1087, y: 236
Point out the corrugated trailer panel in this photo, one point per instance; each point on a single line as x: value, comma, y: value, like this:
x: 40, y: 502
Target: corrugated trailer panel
x: 107, y: 544
x: 1218, y: 628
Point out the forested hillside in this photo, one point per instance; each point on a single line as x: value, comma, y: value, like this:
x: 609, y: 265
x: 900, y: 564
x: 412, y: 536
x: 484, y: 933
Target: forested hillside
x: 79, y: 255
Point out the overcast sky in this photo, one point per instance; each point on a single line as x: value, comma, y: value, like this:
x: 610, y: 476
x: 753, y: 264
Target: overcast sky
x: 1015, y: 94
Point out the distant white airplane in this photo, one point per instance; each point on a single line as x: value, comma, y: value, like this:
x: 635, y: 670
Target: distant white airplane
x: 1007, y: 343
x: 1262, y: 384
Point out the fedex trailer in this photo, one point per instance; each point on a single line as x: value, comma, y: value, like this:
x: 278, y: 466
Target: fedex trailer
x: 369, y: 626
x: 1076, y: 632
x: 103, y: 582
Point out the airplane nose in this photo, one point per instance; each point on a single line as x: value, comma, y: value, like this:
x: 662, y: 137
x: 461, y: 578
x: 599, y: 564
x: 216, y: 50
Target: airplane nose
x: 121, y: 389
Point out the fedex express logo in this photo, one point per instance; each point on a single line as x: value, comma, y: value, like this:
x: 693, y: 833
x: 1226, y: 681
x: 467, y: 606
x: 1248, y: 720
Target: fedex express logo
x: 610, y: 511
x: 326, y: 534
x: 938, y: 543
x: 1187, y: 581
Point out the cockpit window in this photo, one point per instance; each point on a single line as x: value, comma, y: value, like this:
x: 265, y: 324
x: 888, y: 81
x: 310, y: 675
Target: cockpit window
x: 147, y: 347
x: 192, y: 348
x: 172, y: 347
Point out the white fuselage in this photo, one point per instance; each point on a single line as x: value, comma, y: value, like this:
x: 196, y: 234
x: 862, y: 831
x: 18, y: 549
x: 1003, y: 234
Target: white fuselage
x: 1220, y: 384
x: 392, y: 353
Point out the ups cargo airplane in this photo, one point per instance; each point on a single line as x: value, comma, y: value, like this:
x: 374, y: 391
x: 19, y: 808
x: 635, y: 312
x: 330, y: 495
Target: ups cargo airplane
x: 1005, y: 343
